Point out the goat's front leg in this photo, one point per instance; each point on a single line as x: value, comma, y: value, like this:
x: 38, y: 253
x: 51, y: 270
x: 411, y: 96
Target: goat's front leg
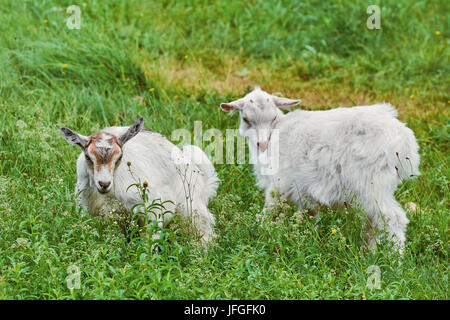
x: 270, y: 199
x: 276, y: 188
x: 143, y: 226
x: 82, y: 196
x: 83, y: 190
x: 157, y: 219
x: 270, y: 202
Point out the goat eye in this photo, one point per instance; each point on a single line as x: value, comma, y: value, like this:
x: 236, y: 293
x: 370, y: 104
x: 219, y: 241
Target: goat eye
x: 246, y: 121
x: 274, y: 120
x: 119, y: 159
x: 87, y: 158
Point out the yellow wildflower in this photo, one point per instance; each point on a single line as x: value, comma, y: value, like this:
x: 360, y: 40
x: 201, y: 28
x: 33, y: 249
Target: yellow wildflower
x: 437, y: 32
x: 333, y: 231
x: 64, y: 65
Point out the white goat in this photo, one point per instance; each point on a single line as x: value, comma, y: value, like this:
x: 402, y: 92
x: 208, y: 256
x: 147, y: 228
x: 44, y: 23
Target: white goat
x: 331, y: 157
x: 103, y: 173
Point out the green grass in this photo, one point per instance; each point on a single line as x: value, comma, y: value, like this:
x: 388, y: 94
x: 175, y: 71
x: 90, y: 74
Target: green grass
x: 197, y: 54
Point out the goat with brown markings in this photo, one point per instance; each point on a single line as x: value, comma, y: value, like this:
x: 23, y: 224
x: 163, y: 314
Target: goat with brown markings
x: 103, y: 174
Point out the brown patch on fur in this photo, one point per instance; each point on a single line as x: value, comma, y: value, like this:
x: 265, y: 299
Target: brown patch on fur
x: 103, y: 157
x: 117, y: 150
x: 94, y: 137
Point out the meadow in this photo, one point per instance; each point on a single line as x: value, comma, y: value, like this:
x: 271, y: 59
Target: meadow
x: 173, y: 63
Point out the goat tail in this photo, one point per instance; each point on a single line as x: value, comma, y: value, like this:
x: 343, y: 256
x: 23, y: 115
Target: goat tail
x: 406, y: 157
x: 201, y: 161
x: 386, y: 108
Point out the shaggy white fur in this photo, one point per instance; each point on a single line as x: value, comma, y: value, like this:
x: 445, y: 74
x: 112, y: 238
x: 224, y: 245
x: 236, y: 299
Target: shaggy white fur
x: 106, y: 154
x: 338, y: 156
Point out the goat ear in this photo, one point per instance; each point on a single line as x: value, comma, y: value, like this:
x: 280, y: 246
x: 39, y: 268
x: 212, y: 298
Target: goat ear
x: 133, y: 130
x: 73, y: 137
x: 285, y: 103
x: 234, y: 105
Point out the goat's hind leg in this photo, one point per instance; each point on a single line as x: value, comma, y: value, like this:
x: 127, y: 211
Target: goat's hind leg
x: 203, y: 221
x: 386, y: 215
x: 396, y: 223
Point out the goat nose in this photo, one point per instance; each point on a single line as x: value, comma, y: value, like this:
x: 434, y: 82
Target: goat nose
x: 103, y: 184
x: 262, y: 145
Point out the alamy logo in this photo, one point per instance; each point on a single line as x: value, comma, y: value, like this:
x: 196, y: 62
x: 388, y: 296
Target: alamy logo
x: 74, y: 21
x: 73, y: 279
x: 374, y: 20
x: 268, y: 160
x: 374, y: 280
